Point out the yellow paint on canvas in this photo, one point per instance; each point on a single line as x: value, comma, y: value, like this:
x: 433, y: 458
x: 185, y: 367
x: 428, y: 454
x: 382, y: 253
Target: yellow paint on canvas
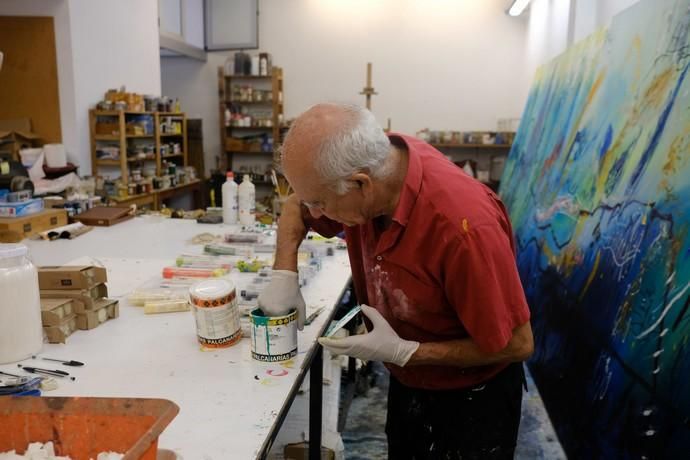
x: 591, y: 276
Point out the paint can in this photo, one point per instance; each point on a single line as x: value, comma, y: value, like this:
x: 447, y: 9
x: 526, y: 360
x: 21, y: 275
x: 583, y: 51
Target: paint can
x: 214, y: 304
x: 274, y: 338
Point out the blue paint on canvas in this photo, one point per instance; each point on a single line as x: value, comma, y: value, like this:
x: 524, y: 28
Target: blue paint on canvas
x: 598, y: 188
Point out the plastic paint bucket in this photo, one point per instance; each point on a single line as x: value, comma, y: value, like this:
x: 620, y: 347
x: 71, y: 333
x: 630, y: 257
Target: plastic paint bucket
x: 214, y: 304
x: 274, y: 338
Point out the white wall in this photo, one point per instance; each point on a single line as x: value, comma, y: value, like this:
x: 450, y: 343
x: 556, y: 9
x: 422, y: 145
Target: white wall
x: 114, y: 43
x: 556, y: 24
x: 59, y: 11
x: 442, y: 64
x: 100, y: 44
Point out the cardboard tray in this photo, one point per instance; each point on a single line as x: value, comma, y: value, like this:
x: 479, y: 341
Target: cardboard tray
x: 70, y: 277
x: 85, y: 299
x: 104, y: 310
x: 54, y: 311
x: 60, y: 332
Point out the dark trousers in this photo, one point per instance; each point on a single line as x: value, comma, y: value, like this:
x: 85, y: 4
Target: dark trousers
x: 474, y: 423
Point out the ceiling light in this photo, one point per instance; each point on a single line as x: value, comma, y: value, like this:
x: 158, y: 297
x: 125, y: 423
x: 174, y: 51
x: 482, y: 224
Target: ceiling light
x: 518, y: 7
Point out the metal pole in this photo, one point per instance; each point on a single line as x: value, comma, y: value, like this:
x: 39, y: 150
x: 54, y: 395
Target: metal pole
x: 315, y: 404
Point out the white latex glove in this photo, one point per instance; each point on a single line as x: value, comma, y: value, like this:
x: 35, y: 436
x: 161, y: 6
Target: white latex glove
x: 381, y: 344
x: 282, y: 295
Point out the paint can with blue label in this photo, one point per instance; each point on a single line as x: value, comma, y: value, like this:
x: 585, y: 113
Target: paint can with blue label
x: 274, y: 338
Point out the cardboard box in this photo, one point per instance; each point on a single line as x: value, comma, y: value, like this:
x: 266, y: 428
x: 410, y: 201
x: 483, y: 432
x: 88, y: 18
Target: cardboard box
x: 300, y: 451
x: 21, y: 208
x: 104, y: 309
x: 71, y: 277
x: 84, y: 299
x: 53, y: 311
x: 59, y: 333
x: 16, y: 135
x: 15, y: 229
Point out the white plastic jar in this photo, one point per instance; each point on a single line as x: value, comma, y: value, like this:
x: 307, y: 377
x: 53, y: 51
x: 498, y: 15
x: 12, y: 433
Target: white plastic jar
x: 21, y: 334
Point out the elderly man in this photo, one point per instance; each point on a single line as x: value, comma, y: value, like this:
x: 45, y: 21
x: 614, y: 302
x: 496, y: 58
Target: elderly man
x: 431, y: 250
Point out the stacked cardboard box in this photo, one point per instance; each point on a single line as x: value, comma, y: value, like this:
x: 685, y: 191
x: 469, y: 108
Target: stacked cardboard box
x: 83, y: 296
x: 59, y: 319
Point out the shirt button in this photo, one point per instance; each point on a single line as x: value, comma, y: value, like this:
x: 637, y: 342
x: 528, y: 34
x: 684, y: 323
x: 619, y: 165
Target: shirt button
x: 379, y: 258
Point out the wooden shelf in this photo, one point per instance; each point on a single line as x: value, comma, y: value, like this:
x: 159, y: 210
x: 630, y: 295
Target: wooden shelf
x: 136, y: 160
x: 249, y: 77
x: 139, y: 136
x: 473, y: 146
x: 108, y: 162
x: 120, y: 199
x: 252, y: 102
x: 172, y: 155
x: 171, y: 114
x: 172, y: 135
x: 115, y: 113
x: 106, y: 137
x: 249, y: 152
x: 251, y: 128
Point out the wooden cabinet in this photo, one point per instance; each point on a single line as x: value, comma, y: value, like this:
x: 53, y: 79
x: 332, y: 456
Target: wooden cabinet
x: 251, y: 115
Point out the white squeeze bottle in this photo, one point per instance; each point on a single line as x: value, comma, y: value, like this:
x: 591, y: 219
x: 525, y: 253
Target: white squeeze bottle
x: 247, y: 193
x: 230, y: 206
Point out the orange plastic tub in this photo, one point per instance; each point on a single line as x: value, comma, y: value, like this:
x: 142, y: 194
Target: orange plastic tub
x: 84, y: 427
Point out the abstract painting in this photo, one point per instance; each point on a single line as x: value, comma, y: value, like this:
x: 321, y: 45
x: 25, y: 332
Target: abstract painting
x: 598, y: 189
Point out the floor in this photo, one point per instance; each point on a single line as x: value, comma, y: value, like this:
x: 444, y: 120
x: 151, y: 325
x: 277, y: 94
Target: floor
x: 364, y: 436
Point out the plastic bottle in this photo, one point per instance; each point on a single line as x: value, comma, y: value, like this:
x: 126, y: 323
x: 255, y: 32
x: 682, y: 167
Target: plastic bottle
x: 230, y: 204
x: 21, y: 334
x: 247, y: 199
x: 228, y: 117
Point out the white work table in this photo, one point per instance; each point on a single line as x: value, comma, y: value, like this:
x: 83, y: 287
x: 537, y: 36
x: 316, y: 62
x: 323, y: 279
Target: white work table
x: 230, y: 405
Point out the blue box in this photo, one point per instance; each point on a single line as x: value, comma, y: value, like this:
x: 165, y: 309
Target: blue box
x: 3, y: 194
x: 22, y: 208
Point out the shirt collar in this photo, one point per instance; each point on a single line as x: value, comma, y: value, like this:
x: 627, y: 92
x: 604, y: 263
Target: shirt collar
x: 413, y: 178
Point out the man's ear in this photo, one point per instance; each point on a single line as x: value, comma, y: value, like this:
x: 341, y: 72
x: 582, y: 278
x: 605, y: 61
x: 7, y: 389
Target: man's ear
x: 362, y: 182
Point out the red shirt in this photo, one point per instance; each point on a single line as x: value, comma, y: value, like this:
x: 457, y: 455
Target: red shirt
x: 443, y: 270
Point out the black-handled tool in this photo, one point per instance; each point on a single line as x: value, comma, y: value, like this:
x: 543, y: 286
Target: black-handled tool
x: 52, y: 372
x: 64, y: 362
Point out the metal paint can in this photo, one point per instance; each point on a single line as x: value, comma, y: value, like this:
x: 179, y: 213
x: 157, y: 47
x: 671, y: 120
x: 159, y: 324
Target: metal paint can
x: 274, y: 338
x: 214, y: 304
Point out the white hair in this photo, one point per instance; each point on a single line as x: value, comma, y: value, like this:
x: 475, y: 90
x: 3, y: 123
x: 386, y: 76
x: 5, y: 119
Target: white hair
x: 358, y: 145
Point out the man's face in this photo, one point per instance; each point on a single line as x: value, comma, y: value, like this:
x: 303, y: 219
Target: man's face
x: 349, y: 209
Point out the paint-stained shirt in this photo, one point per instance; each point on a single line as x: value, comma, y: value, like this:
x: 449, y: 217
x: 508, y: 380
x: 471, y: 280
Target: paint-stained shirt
x: 444, y: 269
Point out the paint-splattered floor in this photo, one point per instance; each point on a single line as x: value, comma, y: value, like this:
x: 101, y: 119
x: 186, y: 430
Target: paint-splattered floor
x: 365, y: 439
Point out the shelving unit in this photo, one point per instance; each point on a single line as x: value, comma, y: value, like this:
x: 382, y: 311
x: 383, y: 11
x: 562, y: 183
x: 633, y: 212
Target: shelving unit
x: 259, y: 99
x: 116, y: 122
x: 161, y: 129
x: 485, y: 157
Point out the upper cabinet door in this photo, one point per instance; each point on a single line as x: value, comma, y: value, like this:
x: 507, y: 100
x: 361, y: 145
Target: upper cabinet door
x: 170, y: 17
x: 232, y: 24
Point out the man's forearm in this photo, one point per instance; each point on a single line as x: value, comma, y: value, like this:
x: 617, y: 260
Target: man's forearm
x: 291, y: 232
x: 466, y: 353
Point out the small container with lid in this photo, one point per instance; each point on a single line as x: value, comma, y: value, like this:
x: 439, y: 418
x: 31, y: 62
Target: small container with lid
x: 214, y: 304
x: 21, y: 333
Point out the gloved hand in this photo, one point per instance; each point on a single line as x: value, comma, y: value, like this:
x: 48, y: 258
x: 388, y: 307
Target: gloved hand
x: 282, y: 295
x: 381, y: 344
